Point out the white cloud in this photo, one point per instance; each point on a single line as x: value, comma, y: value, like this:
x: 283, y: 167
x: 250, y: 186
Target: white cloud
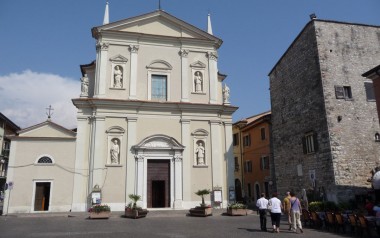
x: 25, y: 96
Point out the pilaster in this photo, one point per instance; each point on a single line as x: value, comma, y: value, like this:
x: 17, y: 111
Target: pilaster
x: 133, y: 77
x: 101, y: 68
x: 81, y: 166
x: 99, y: 157
x: 130, y: 163
x: 216, y: 155
x: 213, y: 76
x: 184, y: 75
x: 177, y: 181
x: 186, y: 156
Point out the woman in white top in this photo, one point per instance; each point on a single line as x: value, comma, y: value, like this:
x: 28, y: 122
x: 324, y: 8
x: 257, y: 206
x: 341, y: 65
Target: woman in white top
x: 275, y: 207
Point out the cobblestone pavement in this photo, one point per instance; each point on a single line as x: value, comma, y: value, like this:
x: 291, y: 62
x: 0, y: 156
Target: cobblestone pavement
x: 175, y: 224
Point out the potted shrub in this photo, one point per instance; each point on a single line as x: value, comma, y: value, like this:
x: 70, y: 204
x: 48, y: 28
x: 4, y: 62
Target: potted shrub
x: 203, y: 210
x: 134, y: 211
x: 99, y: 211
x: 237, y: 209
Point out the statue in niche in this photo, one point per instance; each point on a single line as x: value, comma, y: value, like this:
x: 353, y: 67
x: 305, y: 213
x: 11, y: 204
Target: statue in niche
x: 115, y: 151
x: 118, y: 77
x: 84, y: 86
x: 198, y: 81
x: 226, y: 94
x: 200, y: 152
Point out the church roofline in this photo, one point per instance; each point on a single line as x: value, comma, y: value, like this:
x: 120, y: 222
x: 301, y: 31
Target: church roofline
x: 98, y: 29
x: 47, y: 122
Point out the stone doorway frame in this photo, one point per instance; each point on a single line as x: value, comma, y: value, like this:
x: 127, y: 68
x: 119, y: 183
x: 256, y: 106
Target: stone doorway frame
x: 159, y: 147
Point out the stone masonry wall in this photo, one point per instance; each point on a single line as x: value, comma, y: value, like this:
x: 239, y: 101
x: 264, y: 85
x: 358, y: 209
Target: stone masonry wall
x: 297, y: 108
x: 303, y: 99
x: 346, y: 51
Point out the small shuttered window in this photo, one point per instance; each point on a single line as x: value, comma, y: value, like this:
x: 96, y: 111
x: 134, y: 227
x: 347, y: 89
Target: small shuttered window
x: 369, y: 91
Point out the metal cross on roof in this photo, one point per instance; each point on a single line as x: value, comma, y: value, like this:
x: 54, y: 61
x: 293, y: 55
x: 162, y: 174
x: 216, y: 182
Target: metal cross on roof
x: 49, y: 113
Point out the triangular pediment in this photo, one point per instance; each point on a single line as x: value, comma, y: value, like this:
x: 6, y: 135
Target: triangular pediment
x: 198, y: 64
x: 118, y: 58
x: 158, y: 23
x: 47, y: 129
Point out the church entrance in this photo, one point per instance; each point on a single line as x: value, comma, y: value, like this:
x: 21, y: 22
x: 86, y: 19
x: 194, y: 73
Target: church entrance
x: 158, y: 183
x: 42, y: 196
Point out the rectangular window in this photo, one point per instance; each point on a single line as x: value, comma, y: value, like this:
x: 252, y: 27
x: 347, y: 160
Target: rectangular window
x: 343, y: 92
x: 310, y: 143
x: 263, y: 134
x: 248, y: 167
x: 369, y: 91
x: 159, y: 87
x: 236, y: 164
x: 236, y: 139
x: 247, y: 140
x: 264, y: 162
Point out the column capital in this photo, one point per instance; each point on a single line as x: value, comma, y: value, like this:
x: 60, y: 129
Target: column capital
x: 185, y: 121
x: 228, y: 123
x: 102, y: 45
x: 134, y: 48
x: 177, y: 158
x: 183, y: 53
x: 215, y: 122
x: 131, y: 119
x: 139, y: 158
x: 212, y: 55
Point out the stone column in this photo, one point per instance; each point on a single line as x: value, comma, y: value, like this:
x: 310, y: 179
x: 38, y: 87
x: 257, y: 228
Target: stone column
x: 101, y: 69
x: 184, y: 75
x: 229, y: 155
x: 188, y: 161
x: 177, y: 181
x: 216, y: 156
x: 130, y: 162
x: 213, y: 76
x: 133, y: 77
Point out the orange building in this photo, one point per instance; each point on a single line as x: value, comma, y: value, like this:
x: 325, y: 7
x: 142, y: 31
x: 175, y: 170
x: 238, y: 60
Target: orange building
x: 255, y: 155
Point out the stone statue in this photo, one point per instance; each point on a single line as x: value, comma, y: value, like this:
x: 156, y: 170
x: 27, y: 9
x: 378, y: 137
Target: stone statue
x: 115, y: 150
x: 226, y: 94
x: 84, y: 86
x: 198, y: 82
x: 118, y: 77
x: 200, y: 152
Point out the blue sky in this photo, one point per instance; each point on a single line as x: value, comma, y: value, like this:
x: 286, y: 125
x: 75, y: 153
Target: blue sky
x: 43, y: 42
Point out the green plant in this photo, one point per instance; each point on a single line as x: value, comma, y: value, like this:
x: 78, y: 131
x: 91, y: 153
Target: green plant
x: 202, y: 193
x: 236, y: 205
x: 322, y: 206
x: 134, y: 198
x: 100, y: 208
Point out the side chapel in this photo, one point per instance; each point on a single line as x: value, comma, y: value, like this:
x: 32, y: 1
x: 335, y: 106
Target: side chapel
x: 154, y: 119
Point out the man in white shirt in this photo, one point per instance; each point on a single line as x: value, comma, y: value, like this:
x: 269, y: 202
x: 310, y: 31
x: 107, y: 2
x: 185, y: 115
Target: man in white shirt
x: 262, y: 205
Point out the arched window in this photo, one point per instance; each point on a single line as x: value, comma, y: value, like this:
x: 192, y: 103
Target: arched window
x: 45, y: 160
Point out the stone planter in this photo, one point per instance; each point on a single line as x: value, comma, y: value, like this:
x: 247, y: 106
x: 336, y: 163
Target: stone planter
x: 237, y: 212
x: 100, y: 215
x: 135, y: 213
x: 201, y: 211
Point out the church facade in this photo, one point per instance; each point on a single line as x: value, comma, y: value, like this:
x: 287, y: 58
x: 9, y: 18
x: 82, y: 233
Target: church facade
x: 154, y: 119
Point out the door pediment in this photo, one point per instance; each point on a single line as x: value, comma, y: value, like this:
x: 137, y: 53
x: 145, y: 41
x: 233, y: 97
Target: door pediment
x: 159, y: 142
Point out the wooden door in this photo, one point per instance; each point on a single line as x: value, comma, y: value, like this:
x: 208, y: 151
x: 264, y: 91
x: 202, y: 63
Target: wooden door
x: 42, y: 196
x: 158, y: 183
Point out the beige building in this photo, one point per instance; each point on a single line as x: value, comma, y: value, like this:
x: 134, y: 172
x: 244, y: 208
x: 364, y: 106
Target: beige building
x: 154, y: 119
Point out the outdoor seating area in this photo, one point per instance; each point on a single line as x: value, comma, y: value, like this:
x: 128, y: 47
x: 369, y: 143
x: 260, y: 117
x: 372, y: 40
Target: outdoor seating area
x: 346, y: 222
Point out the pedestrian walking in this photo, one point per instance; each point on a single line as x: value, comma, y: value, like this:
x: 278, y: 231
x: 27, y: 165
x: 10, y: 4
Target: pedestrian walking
x: 295, y: 212
x: 262, y: 205
x: 286, y: 206
x: 275, y: 207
